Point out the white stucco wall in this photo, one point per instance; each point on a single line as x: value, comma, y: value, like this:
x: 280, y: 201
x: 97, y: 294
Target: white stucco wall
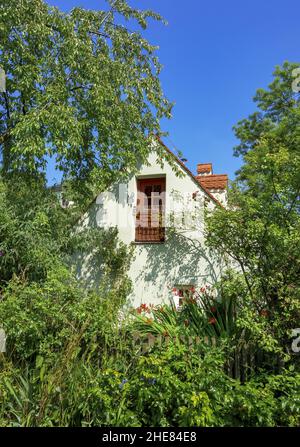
x: 220, y: 195
x: 182, y: 259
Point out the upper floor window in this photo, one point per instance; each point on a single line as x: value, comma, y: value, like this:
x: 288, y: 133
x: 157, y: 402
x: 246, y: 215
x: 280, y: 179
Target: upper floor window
x: 150, y: 210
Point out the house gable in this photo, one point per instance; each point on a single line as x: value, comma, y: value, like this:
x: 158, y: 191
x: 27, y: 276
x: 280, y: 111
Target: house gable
x: 180, y: 258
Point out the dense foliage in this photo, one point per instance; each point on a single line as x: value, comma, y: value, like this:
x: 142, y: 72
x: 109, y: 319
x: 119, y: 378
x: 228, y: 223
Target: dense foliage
x: 83, y: 88
x: 260, y: 232
x: 80, y: 87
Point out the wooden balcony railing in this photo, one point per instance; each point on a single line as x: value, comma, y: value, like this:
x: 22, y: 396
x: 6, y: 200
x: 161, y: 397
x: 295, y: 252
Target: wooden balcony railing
x: 148, y: 234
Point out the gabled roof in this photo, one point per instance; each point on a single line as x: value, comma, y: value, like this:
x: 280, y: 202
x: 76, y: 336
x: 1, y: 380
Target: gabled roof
x: 189, y: 173
x: 184, y: 167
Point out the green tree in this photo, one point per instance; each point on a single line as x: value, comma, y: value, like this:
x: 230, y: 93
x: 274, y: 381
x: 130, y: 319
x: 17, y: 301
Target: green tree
x: 37, y: 235
x: 260, y: 230
x: 80, y: 87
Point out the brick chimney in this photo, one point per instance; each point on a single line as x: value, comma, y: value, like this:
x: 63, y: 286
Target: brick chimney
x: 204, y: 169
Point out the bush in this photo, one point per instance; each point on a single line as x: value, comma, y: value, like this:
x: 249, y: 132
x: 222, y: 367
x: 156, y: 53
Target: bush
x: 171, y: 385
x: 40, y: 318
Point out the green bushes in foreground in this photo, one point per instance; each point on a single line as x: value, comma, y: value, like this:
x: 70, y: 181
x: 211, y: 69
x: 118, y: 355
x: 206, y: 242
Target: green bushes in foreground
x: 168, y: 387
x: 70, y: 362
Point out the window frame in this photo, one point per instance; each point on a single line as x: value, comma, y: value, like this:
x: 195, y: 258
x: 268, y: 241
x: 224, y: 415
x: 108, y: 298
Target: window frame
x: 148, y: 234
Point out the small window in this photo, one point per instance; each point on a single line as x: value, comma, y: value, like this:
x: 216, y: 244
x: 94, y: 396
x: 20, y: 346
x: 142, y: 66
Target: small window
x: 182, y: 292
x: 150, y: 210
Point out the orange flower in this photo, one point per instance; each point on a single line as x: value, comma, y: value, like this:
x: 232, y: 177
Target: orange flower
x: 143, y: 308
x: 212, y: 320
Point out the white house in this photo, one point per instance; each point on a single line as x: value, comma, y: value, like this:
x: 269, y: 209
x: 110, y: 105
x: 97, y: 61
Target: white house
x: 160, y: 211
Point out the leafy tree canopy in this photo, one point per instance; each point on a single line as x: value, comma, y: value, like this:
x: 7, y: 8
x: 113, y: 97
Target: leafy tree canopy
x: 261, y: 228
x: 80, y: 87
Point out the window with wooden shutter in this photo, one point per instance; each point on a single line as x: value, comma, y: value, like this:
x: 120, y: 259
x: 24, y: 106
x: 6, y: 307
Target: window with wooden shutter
x: 150, y: 210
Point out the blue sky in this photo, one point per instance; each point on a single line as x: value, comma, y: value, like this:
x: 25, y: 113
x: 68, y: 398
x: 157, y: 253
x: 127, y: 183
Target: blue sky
x: 215, y: 54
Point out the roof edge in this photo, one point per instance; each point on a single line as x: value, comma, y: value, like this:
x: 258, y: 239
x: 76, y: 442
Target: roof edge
x: 190, y: 174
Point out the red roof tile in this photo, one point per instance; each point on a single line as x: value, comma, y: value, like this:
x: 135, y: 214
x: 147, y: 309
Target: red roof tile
x: 213, y: 181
